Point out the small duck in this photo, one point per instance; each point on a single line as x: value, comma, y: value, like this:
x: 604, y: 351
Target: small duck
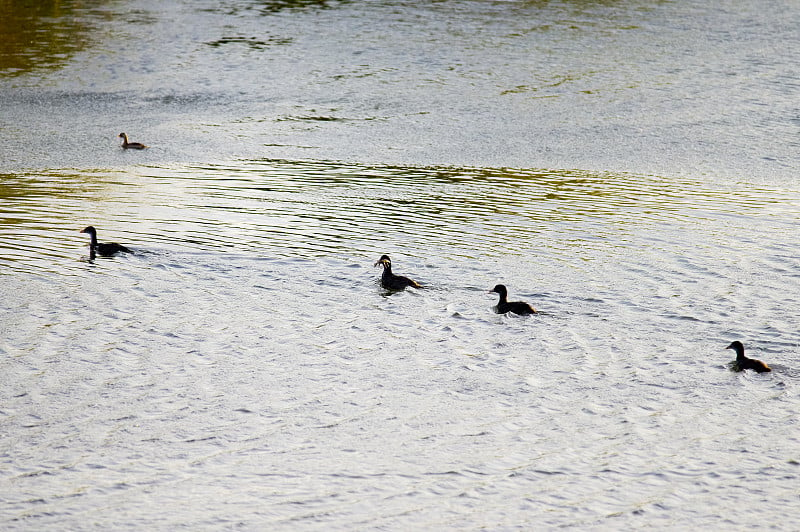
x: 104, y: 250
x: 130, y: 145
x: 517, y: 307
x: 742, y: 362
x: 391, y: 281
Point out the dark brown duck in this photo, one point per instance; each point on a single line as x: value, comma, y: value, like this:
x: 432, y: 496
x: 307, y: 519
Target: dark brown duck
x: 742, y: 362
x: 103, y: 249
x: 504, y: 306
x: 391, y: 281
x: 130, y: 145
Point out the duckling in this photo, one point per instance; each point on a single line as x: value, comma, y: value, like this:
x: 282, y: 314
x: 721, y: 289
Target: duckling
x: 130, y: 145
x: 105, y: 249
x: 743, y: 363
x: 391, y: 281
x: 517, y: 307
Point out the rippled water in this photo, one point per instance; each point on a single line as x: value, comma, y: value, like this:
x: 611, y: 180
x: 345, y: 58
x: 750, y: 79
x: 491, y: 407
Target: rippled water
x: 243, y: 366
x: 244, y: 369
x: 677, y: 88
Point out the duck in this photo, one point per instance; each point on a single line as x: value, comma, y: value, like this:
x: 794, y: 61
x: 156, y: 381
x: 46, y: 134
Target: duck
x: 106, y: 249
x: 504, y: 306
x: 391, y: 281
x: 742, y: 362
x: 130, y: 145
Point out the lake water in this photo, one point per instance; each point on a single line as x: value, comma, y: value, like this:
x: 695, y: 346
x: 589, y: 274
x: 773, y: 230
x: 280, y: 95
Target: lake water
x: 629, y: 168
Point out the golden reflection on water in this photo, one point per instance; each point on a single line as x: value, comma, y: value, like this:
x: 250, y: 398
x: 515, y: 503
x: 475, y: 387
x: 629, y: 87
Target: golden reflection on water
x: 314, y: 208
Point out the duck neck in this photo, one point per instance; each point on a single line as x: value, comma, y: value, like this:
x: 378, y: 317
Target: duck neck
x: 740, y: 354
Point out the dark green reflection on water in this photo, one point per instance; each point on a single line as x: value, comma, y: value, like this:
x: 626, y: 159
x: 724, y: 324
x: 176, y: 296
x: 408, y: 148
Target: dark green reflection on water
x: 269, y: 7
x: 281, y: 5
x: 41, y: 33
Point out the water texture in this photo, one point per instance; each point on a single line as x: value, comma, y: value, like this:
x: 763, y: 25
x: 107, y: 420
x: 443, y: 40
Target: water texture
x: 643, y: 87
x: 627, y: 168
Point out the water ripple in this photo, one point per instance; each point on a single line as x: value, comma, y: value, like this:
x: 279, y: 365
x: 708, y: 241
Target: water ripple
x: 312, y: 209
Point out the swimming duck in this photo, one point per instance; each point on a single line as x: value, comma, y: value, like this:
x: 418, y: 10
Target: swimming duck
x: 105, y: 250
x: 130, y: 145
x: 743, y: 363
x: 391, y: 281
x: 517, y: 307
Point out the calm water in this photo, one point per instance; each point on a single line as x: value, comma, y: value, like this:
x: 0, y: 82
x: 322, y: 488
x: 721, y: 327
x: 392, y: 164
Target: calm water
x: 628, y: 168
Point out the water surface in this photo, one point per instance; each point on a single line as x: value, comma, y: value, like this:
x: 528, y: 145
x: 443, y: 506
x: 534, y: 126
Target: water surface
x: 627, y: 168
x: 665, y: 88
